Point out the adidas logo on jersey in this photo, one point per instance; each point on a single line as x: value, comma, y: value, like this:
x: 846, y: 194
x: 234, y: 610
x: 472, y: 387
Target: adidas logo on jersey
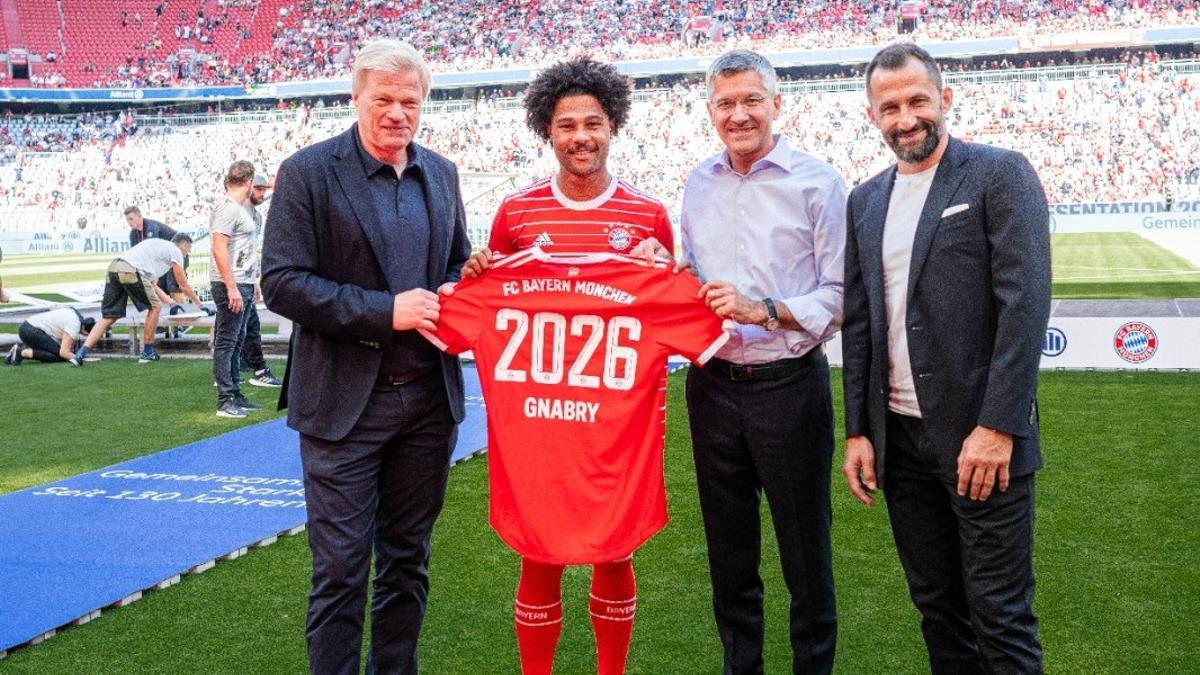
x: 543, y: 240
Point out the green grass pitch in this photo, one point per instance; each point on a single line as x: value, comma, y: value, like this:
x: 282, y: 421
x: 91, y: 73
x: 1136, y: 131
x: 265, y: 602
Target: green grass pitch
x: 1119, y: 265
x: 1115, y: 552
x: 1094, y: 265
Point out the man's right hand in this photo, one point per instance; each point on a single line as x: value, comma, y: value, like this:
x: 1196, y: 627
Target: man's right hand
x: 649, y: 249
x: 235, y: 300
x: 859, y: 468
x: 417, y: 308
x: 477, y: 264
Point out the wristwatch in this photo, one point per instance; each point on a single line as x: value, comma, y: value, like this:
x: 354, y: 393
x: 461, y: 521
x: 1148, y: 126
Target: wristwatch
x: 772, y: 322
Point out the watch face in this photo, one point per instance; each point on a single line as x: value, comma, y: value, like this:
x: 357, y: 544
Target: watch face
x: 772, y: 324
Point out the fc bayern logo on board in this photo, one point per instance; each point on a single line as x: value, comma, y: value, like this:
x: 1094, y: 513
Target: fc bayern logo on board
x: 1054, y: 343
x: 619, y: 238
x: 1135, y: 342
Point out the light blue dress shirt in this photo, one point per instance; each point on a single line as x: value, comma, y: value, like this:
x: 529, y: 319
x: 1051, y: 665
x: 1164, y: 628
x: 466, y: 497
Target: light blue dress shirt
x: 779, y: 232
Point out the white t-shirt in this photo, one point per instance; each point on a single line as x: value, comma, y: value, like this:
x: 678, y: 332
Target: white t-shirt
x: 234, y: 221
x: 153, y: 257
x: 899, y: 230
x: 57, y: 323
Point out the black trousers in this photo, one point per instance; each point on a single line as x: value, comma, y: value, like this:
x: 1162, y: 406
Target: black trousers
x: 379, y: 489
x: 969, y: 564
x: 252, y: 354
x: 774, y: 436
x: 45, y: 348
x: 229, y: 331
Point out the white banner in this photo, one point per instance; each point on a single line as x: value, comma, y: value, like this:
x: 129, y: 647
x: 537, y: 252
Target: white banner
x: 1159, y: 343
x: 73, y: 241
x: 112, y: 241
x: 1138, y: 217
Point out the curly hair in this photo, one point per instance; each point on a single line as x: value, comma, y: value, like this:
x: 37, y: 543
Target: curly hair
x: 582, y: 76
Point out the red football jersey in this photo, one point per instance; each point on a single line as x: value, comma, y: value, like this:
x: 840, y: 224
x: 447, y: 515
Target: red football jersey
x: 571, y: 351
x: 614, y: 222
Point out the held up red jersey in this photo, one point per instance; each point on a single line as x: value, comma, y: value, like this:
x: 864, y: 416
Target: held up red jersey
x: 614, y: 222
x: 571, y: 351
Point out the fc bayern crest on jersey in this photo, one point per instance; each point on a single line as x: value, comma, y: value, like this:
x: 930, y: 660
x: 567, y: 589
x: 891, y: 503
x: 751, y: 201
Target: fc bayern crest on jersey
x: 1135, y: 342
x: 619, y: 237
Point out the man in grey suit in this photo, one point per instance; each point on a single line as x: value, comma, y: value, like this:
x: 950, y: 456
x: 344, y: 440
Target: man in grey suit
x: 364, y: 229
x: 946, y: 303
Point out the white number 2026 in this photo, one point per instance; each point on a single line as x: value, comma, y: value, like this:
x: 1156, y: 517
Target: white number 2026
x: 620, y: 361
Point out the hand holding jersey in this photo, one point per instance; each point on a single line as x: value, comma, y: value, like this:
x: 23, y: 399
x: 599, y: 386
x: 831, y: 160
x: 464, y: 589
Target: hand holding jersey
x: 577, y: 107
x: 571, y: 351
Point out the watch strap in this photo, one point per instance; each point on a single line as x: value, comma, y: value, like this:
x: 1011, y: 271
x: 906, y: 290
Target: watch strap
x: 772, y: 314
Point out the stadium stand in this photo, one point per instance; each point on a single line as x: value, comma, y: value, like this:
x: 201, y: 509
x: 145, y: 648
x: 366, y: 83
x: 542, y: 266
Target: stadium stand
x: 1115, y: 132
x: 158, y: 43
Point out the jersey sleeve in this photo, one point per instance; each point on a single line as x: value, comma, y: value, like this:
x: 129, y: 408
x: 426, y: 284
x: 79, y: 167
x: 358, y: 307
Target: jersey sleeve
x: 498, y: 240
x: 683, y: 324
x: 663, y: 232
x: 460, y: 317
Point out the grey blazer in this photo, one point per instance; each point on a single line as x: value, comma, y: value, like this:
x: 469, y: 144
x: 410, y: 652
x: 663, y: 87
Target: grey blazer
x: 328, y: 265
x: 978, y: 305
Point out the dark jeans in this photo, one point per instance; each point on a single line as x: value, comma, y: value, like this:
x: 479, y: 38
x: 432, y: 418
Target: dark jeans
x: 379, y: 488
x: 44, y: 347
x: 969, y: 564
x: 252, y: 353
x: 229, y: 330
x: 773, y: 436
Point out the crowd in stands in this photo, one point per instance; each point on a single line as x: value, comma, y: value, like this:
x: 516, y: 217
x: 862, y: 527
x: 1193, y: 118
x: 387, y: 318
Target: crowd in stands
x: 316, y: 38
x: 1132, y: 136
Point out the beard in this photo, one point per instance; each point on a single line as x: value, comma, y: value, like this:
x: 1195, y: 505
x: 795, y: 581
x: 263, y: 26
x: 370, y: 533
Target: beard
x: 596, y: 164
x: 915, y: 154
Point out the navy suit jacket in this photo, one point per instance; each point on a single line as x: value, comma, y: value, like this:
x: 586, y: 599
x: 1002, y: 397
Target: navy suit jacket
x: 978, y: 305
x: 331, y: 266
x: 151, y: 229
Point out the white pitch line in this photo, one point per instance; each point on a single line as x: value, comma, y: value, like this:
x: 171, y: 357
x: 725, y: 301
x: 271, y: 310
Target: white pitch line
x: 1118, y: 277
x: 1129, y: 269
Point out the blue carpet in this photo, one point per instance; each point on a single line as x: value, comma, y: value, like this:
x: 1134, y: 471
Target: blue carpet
x: 81, y: 544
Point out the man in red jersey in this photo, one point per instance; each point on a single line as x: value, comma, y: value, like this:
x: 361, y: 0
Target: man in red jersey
x: 577, y: 106
x: 571, y: 350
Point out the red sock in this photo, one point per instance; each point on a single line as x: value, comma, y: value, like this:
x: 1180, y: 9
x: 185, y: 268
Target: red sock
x: 613, y: 603
x: 538, y: 615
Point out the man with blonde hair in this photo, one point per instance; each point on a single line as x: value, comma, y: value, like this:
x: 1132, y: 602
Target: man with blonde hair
x: 364, y: 229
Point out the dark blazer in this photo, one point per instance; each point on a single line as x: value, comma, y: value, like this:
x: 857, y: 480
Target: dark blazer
x: 978, y: 304
x: 151, y: 229
x: 328, y: 266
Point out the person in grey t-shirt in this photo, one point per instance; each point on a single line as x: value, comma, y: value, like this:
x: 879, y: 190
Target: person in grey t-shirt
x: 233, y: 274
